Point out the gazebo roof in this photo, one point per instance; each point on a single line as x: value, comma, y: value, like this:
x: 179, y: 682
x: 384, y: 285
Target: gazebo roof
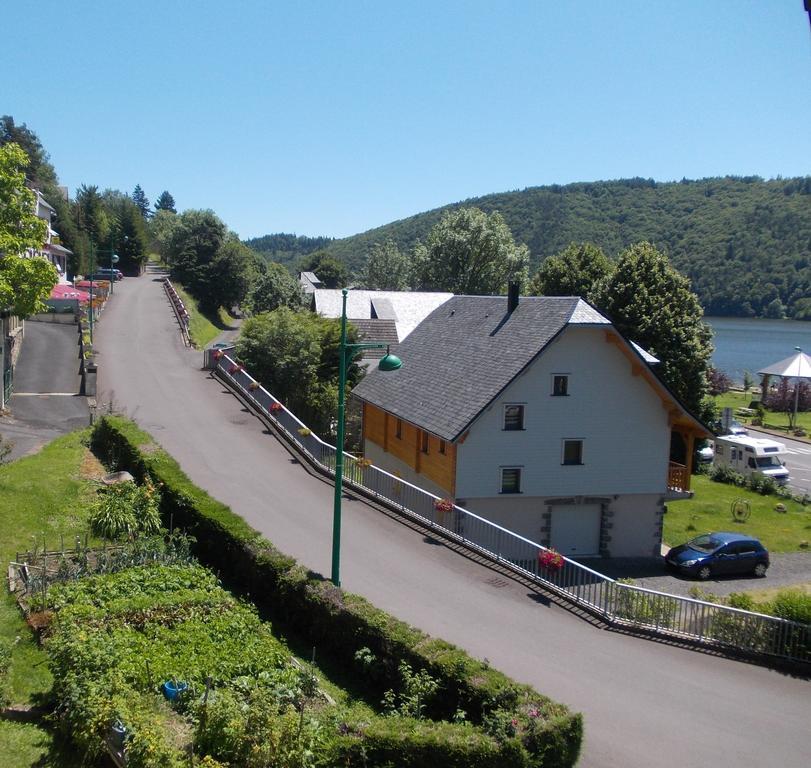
x: 795, y: 367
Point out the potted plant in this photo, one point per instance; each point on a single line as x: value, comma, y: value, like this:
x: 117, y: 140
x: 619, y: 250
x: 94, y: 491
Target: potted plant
x: 253, y: 386
x: 304, y: 431
x: 275, y: 407
x: 443, y: 506
x: 551, y: 561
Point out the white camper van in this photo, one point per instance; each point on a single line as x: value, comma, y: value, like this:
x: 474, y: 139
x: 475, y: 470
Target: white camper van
x: 752, y: 455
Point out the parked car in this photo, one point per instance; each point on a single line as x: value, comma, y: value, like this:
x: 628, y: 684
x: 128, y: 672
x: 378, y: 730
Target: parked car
x: 706, y: 453
x: 107, y: 274
x: 719, y: 554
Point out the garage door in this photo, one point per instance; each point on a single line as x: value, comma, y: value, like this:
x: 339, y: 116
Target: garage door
x: 576, y: 529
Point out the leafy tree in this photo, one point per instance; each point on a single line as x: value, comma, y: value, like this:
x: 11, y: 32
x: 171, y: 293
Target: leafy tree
x: 25, y: 283
x: 287, y: 249
x: 161, y: 231
x: 165, y: 203
x: 142, y: 201
x: 573, y: 272
x: 226, y: 280
x: 387, y: 269
x: 39, y: 170
x: 193, y: 244
x: 652, y: 304
x: 718, y: 381
x: 470, y: 252
x: 129, y: 235
x: 273, y: 288
x: 748, y: 381
x: 331, y: 272
x: 20, y: 227
x: 295, y: 355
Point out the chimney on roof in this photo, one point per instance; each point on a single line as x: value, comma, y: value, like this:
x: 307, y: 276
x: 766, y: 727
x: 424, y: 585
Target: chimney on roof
x: 512, y: 296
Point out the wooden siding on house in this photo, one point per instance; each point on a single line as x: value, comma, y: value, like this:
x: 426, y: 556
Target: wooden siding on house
x: 380, y: 428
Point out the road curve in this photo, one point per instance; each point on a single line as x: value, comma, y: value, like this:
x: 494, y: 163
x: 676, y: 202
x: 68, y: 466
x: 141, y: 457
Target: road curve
x: 645, y: 702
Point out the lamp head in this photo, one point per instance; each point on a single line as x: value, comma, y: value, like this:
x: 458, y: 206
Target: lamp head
x: 389, y: 362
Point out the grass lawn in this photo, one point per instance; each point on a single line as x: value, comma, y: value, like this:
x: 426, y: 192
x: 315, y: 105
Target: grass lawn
x: 44, y: 495
x: 710, y: 510
x: 203, y: 328
x: 777, y: 420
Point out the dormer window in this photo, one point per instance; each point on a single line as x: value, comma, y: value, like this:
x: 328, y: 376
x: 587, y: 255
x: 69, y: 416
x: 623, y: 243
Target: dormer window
x: 513, y: 417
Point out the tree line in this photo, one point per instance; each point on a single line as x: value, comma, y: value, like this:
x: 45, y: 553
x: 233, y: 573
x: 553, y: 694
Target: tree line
x: 744, y: 243
x: 95, y: 223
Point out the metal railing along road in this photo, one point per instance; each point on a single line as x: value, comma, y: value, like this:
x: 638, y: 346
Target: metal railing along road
x: 620, y: 604
x: 181, y: 313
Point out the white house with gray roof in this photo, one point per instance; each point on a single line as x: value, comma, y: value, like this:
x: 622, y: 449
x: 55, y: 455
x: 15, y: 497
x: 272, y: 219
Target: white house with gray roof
x: 537, y: 414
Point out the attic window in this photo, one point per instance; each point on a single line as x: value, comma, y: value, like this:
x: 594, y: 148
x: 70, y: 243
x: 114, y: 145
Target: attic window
x: 513, y: 417
x: 560, y: 385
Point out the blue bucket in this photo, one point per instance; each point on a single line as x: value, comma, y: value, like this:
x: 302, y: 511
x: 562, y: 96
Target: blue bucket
x: 172, y: 690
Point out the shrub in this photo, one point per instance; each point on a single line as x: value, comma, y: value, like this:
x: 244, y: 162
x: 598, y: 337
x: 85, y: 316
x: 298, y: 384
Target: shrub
x: 125, y: 509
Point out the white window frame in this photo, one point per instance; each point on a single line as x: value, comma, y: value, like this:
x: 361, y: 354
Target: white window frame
x: 501, y: 471
x: 523, y: 408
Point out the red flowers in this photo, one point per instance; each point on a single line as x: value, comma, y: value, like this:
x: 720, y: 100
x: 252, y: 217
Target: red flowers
x: 275, y: 407
x: 550, y: 560
x: 443, y: 505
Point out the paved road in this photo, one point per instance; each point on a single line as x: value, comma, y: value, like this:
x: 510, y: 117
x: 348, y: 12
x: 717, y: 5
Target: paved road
x: 645, y: 702
x: 798, y: 461
x: 45, y: 402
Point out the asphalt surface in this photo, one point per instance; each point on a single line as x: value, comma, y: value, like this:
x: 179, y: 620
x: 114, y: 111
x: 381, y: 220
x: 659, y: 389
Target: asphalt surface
x: 798, y: 461
x: 45, y: 402
x: 645, y: 702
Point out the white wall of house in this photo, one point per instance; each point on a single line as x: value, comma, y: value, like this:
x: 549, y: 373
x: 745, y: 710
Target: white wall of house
x: 620, y: 419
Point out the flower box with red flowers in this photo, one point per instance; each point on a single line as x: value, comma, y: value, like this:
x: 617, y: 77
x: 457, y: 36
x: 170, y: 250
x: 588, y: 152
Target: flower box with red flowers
x: 217, y: 354
x: 253, y: 386
x: 443, y: 505
x: 275, y: 407
x: 235, y: 368
x: 549, y: 560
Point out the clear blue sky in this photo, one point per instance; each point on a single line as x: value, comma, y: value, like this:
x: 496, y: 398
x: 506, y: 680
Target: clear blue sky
x: 331, y: 118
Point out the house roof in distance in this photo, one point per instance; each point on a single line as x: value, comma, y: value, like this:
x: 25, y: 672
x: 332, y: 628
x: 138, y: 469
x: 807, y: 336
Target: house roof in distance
x: 464, y: 353
x: 407, y: 308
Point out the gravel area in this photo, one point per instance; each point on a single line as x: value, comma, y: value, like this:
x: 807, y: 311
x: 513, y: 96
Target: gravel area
x: 785, y: 570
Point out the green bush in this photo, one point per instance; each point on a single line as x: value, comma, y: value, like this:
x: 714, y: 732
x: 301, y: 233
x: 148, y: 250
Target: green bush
x: 125, y: 509
x: 328, y: 618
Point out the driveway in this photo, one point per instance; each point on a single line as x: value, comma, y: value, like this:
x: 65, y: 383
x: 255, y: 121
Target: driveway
x: 645, y: 702
x: 45, y: 402
x: 786, y: 570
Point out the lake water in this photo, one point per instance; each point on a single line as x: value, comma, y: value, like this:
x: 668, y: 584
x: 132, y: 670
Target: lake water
x: 747, y: 344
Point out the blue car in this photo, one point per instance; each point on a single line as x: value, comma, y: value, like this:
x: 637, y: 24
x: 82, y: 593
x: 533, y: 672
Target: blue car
x: 719, y: 554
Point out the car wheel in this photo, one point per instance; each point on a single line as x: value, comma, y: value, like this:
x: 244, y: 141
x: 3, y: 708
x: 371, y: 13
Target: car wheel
x: 760, y: 570
x: 704, y: 572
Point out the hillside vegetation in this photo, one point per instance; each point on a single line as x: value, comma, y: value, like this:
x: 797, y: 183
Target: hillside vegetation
x: 745, y: 243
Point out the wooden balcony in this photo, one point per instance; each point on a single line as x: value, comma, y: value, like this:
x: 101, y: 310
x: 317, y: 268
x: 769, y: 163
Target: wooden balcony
x: 678, y: 481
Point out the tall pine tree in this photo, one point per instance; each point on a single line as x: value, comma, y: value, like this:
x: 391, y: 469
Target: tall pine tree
x: 142, y: 201
x: 165, y: 203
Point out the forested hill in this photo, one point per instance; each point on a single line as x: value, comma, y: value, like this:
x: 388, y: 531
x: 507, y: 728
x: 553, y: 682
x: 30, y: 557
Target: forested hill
x: 743, y: 242
x: 287, y: 248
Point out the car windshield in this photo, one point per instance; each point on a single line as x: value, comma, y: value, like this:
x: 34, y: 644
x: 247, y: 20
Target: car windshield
x: 767, y: 462
x: 705, y: 543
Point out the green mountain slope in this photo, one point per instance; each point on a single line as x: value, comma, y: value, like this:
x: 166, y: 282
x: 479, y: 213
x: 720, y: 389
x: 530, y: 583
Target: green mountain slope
x: 744, y: 242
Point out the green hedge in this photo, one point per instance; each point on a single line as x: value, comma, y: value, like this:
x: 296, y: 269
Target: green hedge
x: 334, y: 621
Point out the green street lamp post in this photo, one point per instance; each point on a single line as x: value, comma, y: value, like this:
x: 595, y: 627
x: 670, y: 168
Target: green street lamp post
x: 92, y: 269
x: 388, y: 362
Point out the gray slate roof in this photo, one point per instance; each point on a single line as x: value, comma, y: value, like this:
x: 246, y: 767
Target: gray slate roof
x: 464, y: 353
x: 378, y: 330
